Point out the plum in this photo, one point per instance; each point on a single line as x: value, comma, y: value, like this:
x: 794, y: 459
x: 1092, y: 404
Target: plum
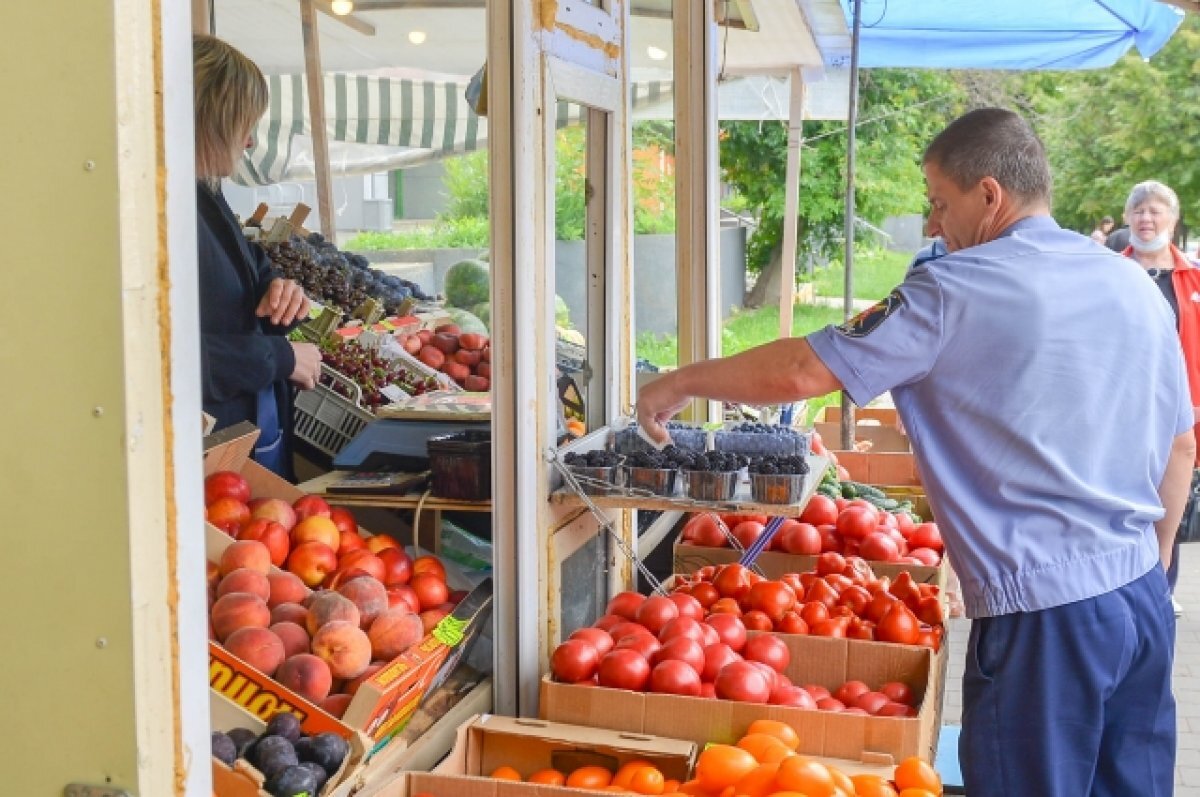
x: 273, y: 754
x: 242, y: 739
x: 224, y: 748
x: 284, y: 724
x: 328, y: 751
x: 318, y: 772
x: 292, y: 781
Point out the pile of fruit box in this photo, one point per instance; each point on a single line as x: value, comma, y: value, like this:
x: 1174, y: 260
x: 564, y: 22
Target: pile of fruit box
x: 387, y: 700
x: 825, y: 661
x: 485, y: 743
x: 888, y: 460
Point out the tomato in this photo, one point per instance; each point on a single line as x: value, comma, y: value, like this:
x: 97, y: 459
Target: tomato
x: 878, y: 546
x: 898, y: 625
x: 806, y: 776
x: 926, y: 535
x: 879, y: 606
x: 821, y: 592
x: 720, y: 766
x: 861, y: 629
x: 929, y: 611
x: 743, y: 681
x: 548, y: 777
x: 608, y: 621
x: 791, y: 623
x: 687, y: 605
x: 716, y: 657
x: 747, y: 532
x: 772, y: 598
x: 598, y: 638
x: 894, y: 709
x: 828, y: 563
x: 856, y: 598
x: 644, y: 644
x: 655, y: 612
x: 813, y: 613
x: 705, y: 529
x: 627, y: 628
x: 731, y: 630
x: 831, y: 541
x: 574, y: 660
x: 856, y: 522
x: 780, y: 730
x: 676, y: 677
x: 647, y: 780
x: 754, y: 620
x: 624, y: 669
x: 849, y: 691
x: 505, y: 773
x: 833, y: 627
x: 830, y: 704
x: 926, y: 556
x: 841, y: 504
x: 872, y: 786
x: 898, y: 691
x: 769, y: 649
x: 765, y: 749
x: 589, y: 777
x: 732, y: 581
x: 819, y: 509
x: 887, y: 521
x: 706, y: 594
x: 625, y: 604
x: 689, y: 651
x: 799, y: 538
x: 871, y: 702
x: 711, y: 637
x: 913, y: 773
x: 904, y: 524
x: 726, y: 606
x: 733, y: 520
x: 681, y: 627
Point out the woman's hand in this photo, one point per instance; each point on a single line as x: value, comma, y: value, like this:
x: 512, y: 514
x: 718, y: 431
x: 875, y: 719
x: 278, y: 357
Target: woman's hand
x: 308, y: 365
x: 283, y: 302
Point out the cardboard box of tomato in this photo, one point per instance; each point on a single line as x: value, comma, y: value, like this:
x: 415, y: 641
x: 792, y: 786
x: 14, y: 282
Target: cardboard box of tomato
x: 825, y: 661
x: 386, y: 701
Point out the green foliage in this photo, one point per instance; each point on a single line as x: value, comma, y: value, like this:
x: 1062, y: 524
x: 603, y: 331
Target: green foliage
x: 466, y: 184
x: 464, y: 233
x: 900, y: 111
x: 876, y: 273
x: 467, y: 284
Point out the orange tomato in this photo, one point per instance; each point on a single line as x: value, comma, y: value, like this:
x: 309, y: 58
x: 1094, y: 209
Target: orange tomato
x: 723, y: 765
x: 647, y: 780
x: 670, y: 785
x: 625, y: 774
x: 914, y: 773
x: 759, y: 782
x: 765, y: 749
x: 804, y: 775
x: 872, y: 786
x: 841, y: 781
x: 780, y: 730
x: 919, y: 793
x: 505, y: 773
x: 590, y: 777
x: 550, y: 777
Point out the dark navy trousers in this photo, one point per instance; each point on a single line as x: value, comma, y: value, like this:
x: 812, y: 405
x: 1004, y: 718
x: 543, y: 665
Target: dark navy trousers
x: 1073, y: 701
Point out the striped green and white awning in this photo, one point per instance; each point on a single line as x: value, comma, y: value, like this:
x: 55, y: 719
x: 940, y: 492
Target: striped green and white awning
x: 376, y: 123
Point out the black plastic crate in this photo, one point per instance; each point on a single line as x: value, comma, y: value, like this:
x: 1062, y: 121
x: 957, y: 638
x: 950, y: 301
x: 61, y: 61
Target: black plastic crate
x: 461, y: 465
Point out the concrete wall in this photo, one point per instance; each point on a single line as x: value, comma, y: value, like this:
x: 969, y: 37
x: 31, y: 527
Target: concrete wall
x: 352, y: 210
x: 908, y: 232
x: 422, y: 194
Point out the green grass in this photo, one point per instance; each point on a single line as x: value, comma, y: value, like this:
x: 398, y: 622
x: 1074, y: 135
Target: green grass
x: 464, y: 233
x: 876, y: 272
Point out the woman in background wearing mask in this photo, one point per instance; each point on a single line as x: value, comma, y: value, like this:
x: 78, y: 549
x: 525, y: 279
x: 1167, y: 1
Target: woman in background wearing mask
x: 1152, y: 211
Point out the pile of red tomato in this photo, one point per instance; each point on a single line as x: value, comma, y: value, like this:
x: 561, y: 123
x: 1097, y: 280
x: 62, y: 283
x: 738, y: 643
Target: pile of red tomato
x: 841, y: 598
x: 849, y: 527
x: 666, y: 645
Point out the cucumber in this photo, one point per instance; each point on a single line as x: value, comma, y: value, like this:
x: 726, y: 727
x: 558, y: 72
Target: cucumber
x: 849, y: 490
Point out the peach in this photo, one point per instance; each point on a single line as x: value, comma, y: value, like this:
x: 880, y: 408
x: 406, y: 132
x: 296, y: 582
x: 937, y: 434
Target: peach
x: 245, y: 580
x: 290, y: 613
x: 286, y: 588
x: 293, y: 636
x: 246, y: 553
x: 271, y: 534
x: 212, y: 574
x: 353, y: 685
x: 350, y: 541
x: 365, y: 561
x: 380, y: 541
x: 345, y: 648
x: 329, y: 607
x: 274, y: 509
x: 431, y: 617
x: 368, y: 595
x: 239, y: 610
x: 336, y: 704
x: 306, y: 675
x: 397, y: 566
x: 394, y: 632
x: 312, y: 561
x: 317, y: 528
x: 258, y: 647
x: 227, y: 514
x: 310, y: 506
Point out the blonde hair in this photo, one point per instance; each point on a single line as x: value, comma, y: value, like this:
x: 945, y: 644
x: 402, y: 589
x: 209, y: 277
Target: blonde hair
x: 230, y: 95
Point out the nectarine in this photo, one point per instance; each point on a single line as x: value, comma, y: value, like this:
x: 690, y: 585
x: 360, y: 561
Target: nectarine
x: 397, y: 566
x: 431, y: 590
x: 274, y: 509
x: 227, y: 514
x: 317, y: 528
x: 269, y: 533
x: 310, y: 506
x: 429, y: 564
x: 336, y: 705
x: 378, y: 542
x: 344, y: 520
x: 365, y: 561
x: 312, y: 561
x: 345, y: 648
x: 226, y: 484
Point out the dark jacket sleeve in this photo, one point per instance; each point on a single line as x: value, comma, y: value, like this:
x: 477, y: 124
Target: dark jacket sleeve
x: 265, y: 272
x: 234, y: 364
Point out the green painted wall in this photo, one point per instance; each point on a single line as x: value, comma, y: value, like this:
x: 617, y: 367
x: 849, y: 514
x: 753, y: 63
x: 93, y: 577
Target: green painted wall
x: 65, y: 695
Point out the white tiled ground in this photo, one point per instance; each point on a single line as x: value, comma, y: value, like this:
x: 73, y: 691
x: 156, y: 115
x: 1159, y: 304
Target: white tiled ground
x: 1186, y: 679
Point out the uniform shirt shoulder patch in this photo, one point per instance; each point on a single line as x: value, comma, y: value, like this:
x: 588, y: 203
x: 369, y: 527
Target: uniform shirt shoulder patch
x: 868, y: 320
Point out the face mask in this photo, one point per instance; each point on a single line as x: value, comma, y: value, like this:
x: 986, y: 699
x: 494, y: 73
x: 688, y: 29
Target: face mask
x: 1153, y: 245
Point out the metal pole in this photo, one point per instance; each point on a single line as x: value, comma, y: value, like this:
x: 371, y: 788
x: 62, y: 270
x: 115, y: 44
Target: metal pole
x: 851, y: 138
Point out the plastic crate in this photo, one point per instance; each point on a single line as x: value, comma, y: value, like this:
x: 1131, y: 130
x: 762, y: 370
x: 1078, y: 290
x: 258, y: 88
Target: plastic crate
x: 461, y: 465
x: 326, y: 420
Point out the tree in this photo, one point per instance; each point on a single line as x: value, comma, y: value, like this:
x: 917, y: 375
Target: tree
x: 901, y: 109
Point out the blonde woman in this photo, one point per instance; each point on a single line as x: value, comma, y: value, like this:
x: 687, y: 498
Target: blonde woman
x: 1152, y: 211
x: 246, y: 309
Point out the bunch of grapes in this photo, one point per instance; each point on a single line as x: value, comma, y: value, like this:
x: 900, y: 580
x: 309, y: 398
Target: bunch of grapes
x: 372, y: 372
x: 339, y: 279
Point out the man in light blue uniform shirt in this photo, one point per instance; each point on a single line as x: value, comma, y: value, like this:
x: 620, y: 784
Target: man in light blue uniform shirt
x: 1043, y: 388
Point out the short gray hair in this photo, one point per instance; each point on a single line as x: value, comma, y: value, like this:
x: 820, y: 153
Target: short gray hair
x: 996, y: 143
x: 1153, y: 189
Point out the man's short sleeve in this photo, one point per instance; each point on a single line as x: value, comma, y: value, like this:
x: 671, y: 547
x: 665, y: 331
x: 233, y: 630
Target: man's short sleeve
x: 892, y: 343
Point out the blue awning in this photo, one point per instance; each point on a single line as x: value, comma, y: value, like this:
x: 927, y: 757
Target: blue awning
x: 1009, y: 34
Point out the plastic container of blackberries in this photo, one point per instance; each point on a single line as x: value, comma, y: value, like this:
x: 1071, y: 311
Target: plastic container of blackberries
x: 757, y: 439
x: 777, y: 480
x: 601, y: 478
x: 712, y: 476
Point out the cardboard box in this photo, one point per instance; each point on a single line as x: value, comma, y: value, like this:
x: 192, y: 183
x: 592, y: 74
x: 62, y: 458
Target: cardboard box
x: 878, y: 425
x: 880, y: 468
x: 485, y: 742
x: 408, y: 784
x: 689, y: 558
x: 814, y: 660
x: 384, y: 703
x: 242, y: 779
